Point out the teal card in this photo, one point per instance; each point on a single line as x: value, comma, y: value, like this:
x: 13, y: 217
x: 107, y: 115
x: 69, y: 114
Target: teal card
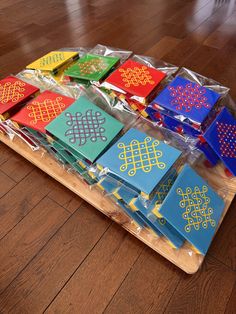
x: 85, y: 128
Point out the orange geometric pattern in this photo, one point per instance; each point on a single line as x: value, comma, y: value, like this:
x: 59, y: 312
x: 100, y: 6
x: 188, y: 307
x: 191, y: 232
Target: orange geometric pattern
x: 136, y: 76
x: 45, y: 111
x: 11, y: 92
x: 92, y: 66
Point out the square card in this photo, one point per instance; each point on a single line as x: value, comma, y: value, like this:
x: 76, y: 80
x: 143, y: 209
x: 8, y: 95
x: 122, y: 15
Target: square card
x: 135, y: 78
x: 91, y: 67
x: 188, y: 99
x: 14, y: 92
x: 193, y: 208
x: 85, y: 128
x: 53, y: 60
x: 42, y: 110
x: 221, y: 136
x: 139, y: 160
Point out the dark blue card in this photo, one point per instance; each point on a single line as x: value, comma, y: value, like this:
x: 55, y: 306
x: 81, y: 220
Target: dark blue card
x: 221, y: 136
x: 188, y: 99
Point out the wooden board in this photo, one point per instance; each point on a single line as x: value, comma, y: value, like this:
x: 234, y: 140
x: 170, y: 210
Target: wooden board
x: 184, y: 258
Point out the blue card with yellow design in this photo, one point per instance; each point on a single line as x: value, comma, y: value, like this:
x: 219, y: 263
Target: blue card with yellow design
x: 193, y: 208
x: 139, y: 160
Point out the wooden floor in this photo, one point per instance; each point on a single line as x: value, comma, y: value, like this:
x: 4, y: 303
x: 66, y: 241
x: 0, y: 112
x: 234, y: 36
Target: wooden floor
x: 57, y: 253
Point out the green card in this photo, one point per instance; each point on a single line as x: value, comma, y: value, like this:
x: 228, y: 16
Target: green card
x: 91, y: 67
x: 85, y: 128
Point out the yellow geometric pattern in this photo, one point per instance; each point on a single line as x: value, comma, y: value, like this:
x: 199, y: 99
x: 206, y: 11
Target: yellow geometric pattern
x: 136, y: 76
x: 197, y: 213
x: 12, y: 92
x: 52, y: 60
x: 140, y: 156
x: 45, y: 111
x: 92, y: 66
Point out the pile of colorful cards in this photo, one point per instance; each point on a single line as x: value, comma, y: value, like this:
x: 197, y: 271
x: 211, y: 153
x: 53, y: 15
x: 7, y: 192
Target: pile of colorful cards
x: 143, y: 174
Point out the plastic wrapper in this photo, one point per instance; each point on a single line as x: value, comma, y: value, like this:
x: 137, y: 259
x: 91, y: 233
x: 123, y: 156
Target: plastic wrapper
x: 108, y: 51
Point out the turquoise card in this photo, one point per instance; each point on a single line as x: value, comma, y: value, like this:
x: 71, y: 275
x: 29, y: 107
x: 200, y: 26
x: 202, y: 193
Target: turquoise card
x: 85, y: 128
x: 193, y: 208
x: 139, y: 160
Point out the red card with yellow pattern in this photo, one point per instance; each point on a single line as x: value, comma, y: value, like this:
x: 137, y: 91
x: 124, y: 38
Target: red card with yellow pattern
x: 136, y: 78
x: 14, y: 92
x: 38, y: 113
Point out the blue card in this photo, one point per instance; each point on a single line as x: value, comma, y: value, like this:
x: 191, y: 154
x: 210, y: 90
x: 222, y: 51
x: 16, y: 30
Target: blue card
x: 188, y: 99
x: 140, y: 160
x: 221, y: 136
x: 193, y: 208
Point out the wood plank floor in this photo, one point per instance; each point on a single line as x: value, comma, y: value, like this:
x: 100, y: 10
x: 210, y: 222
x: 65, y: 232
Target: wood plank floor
x: 57, y: 253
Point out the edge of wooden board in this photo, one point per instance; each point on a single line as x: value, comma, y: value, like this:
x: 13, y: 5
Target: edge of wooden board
x: 183, y: 258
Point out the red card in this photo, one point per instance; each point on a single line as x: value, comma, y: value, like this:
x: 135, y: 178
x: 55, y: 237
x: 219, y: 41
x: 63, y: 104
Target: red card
x: 38, y: 113
x: 136, y: 78
x: 14, y: 92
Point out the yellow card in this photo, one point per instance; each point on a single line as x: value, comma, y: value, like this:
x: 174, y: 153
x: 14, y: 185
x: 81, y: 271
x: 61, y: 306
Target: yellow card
x: 52, y: 61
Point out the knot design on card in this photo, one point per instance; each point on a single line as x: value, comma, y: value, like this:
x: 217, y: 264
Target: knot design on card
x: 227, y: 139
x: 11, y: 92
x: 92, y: 66
x: 84, y: 127
x: 197, y: 211
x: 136, y: 76
x: 52, y: 59
x: 46, y: 110
x: 191, y: 96
x: 140, y: 156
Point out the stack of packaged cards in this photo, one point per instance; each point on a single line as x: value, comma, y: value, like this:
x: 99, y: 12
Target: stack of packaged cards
x: 38, y: 113
x: 13, y: 94
x: 91, y: 68
x: 134, y: 82
x: 53, y: 61
x: 184, y: 106
x: 84, y: 131
x: 221, y: 136
x: 138, y: 171
x: 193, y: 209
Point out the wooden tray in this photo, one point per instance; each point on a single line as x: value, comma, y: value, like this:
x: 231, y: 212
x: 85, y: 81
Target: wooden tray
x: 184, y: 258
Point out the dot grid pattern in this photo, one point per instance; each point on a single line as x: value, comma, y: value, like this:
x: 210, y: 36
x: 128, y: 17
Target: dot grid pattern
x: 51, y: 59
x: 227, y: 139
x: 188, y: 97
x: 136, y: 76
x: 46, y: 110
x: 85, y: 126
x: 197, y: 211
x: 11, y: 91
x: 92, y: 66
x: 140, y: 156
